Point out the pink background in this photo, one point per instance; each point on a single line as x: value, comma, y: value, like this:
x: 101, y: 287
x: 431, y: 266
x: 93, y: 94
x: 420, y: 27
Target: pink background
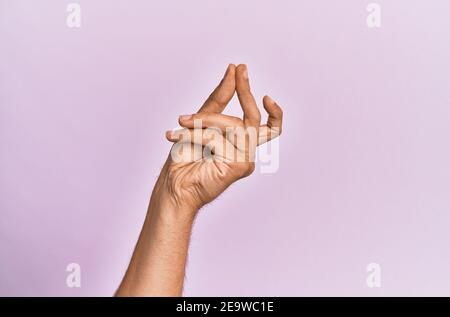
x: 364, y: 160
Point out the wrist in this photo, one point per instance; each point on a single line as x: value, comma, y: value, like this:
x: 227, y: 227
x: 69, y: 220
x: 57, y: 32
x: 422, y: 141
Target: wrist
x: 163, y: 206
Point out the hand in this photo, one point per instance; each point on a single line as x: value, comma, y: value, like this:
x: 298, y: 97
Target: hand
x: 222, y: 149
x: 158, y: 264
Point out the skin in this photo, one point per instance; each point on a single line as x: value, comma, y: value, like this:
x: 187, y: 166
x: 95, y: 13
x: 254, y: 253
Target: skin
x: 157, y: 267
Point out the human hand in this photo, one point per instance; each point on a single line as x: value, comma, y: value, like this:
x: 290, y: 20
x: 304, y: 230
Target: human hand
x: 216, y: 149
x: 213, y: 156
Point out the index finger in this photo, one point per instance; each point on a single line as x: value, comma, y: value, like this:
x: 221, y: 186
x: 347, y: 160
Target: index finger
x: 222, y: 94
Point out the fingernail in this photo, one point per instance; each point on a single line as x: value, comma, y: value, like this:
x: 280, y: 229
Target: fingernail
x: 270, y: 99
x: 245, y: 73
x: 185, y: 117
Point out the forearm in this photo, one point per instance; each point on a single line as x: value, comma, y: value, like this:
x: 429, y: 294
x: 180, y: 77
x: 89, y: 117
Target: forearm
x: 189, y: 181
x: 157, y: 267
